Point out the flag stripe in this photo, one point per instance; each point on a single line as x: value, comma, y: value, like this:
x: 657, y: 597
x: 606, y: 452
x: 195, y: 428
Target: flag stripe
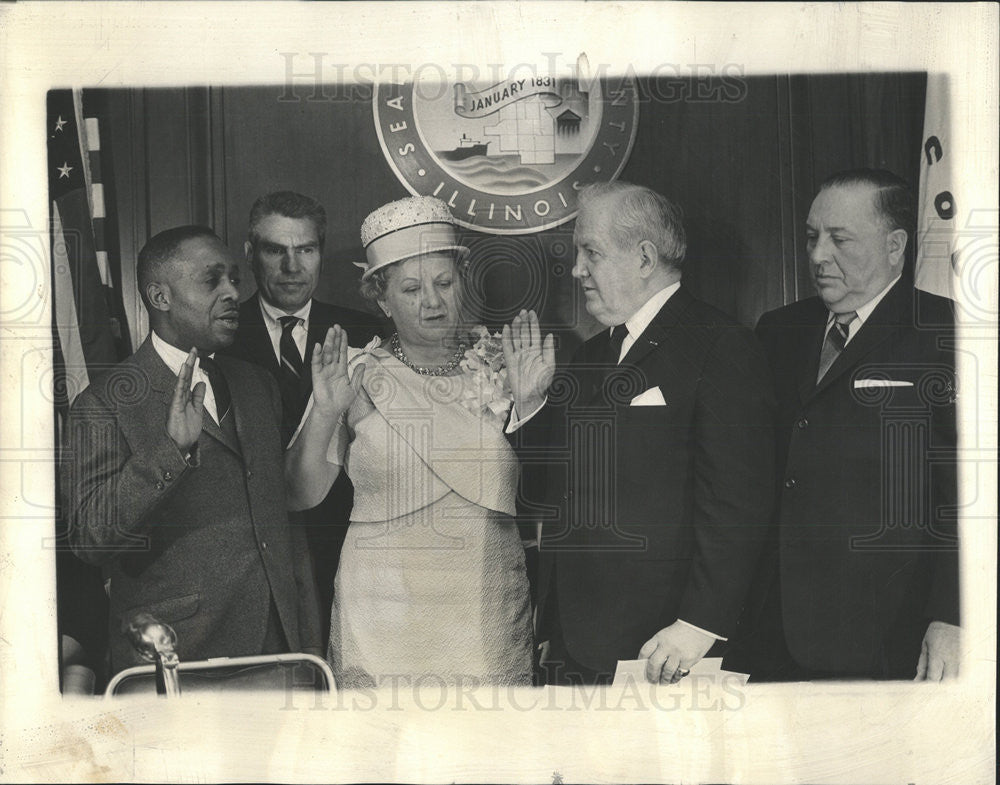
x: 99, y: 238
x: 97, y: 199
x: 95, y: 107
x: 102, y: 267
x: 74, y: 376
x: 88, y: 288
x: 95, y: 166
x: 81, y: 141
x: 93, y: 134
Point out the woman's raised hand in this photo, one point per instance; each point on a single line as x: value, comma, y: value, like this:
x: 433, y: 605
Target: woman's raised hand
x: 531, y: 362
x: 333, y: 390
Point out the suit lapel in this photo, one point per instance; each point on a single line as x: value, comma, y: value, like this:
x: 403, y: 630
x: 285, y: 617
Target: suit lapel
x: 319, y: 324
x: 810, y: 337
x: 259, y: 350
x: 255, y: 339
x: 163, y: 381
x: 879, y: 327
x: 656, y: 333
x: 655, y: 336
x: 245, y: 410
x: 209, y: 426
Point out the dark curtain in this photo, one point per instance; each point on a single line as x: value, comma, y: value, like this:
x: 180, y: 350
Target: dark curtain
x: 742, y: 156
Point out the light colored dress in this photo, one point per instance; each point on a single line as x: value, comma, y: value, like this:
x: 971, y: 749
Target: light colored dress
x: 431, y: 587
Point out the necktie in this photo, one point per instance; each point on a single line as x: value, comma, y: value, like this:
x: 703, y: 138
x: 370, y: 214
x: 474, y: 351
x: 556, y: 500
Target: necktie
x: 220, y: 388
x: 836, y: 340
x: 615, y: 341
x: 293, y: 401
x: 291, y: 360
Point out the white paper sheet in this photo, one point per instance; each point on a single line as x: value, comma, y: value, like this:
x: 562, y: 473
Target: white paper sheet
x: 635, y: 670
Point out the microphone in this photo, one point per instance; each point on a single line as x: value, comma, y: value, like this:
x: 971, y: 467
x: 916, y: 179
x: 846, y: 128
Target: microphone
x: 156, y: 642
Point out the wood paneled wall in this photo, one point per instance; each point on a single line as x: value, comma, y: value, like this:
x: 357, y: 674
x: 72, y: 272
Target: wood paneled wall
x: 742, y: 158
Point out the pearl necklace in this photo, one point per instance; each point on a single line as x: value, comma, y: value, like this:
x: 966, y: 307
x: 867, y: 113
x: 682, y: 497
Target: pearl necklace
x: 441, y: 370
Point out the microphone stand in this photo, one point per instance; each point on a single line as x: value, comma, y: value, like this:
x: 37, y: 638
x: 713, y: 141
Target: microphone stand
x: 156, y: 642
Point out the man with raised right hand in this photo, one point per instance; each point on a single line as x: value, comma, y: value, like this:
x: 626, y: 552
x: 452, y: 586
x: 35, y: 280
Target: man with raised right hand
x: 659, y: 453
x: 173, y: 473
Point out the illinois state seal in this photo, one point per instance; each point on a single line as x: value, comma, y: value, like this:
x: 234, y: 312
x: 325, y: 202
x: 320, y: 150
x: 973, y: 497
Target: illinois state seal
x: 507, y: 157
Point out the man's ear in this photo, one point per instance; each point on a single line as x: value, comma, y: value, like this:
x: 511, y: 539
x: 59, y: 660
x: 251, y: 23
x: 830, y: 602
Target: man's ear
x: 649, y: 258
x: 896, y: 246
x: 248, y: 251
x: 158, y: 294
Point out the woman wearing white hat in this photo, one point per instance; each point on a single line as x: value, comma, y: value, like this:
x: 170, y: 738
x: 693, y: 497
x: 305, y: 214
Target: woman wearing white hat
x: 431, y: 583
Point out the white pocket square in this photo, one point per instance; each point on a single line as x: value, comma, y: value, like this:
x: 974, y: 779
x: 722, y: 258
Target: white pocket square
x: 652, y: 397
x: 866, y: 383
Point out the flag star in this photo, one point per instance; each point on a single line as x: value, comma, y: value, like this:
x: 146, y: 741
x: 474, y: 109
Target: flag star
x: 60, y: 123
x: 64, y: 170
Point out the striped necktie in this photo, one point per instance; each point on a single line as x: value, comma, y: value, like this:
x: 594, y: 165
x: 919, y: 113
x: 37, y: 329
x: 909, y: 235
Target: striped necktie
x: 836, y: 340
x: 290, y: 382
x: 291, y: 360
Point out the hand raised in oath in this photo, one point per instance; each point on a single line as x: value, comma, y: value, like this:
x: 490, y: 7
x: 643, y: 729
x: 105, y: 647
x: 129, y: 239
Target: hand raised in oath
x: 531, y: 362
x: 333, y: 390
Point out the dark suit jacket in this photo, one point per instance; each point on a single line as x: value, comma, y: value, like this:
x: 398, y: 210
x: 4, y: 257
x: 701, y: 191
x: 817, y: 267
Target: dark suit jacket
x: 654, y: 513
x: 204, y: 547
x: 866, y: 543
x: 253, y: 343
x: 326, y: 524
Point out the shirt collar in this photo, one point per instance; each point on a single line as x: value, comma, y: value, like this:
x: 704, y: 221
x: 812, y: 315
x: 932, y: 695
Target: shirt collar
x: 171, y: 355
x: 866, y: 310
x: 637, y: 323
x: 272, y: 314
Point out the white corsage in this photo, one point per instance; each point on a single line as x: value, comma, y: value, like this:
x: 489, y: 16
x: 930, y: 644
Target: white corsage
x: 355, y: 356
x: 489, y: 394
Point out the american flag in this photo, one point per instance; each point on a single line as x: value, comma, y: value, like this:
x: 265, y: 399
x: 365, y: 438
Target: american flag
x: 89, y: 330
x: 88, y: 314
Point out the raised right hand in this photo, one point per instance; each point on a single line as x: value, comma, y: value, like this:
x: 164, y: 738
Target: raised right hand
x: 186, y: 407
x: 531, y: 361
x: 333, y: 390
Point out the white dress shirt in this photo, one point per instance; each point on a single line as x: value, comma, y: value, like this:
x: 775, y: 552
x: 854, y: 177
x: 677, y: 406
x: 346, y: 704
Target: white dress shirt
x: 862, y: 313
x: 300, y: 332
x: 637, y: 323
x: 174, y: 359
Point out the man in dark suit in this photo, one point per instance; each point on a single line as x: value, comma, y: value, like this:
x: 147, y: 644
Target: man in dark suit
x: 862, y: 579
x: 279, y: 327
x: 174, y: 480
x: 659, y: 453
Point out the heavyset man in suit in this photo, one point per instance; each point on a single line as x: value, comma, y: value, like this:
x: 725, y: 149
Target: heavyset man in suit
x: 280, y: 326
x: 174, y: 473
x: 862, y: 580
x: 659, y: 451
